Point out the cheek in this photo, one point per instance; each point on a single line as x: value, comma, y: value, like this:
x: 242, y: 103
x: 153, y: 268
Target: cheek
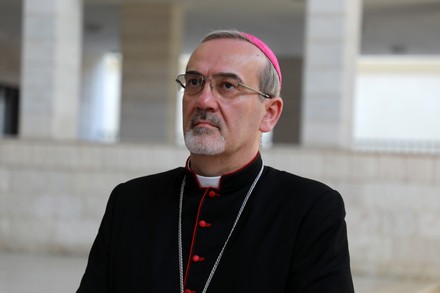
x: 186, y: 111
x: 185, y: 104
x: 242, y: 123
x: 251, y: 122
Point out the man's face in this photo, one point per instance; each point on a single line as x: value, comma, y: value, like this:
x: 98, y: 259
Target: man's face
x: 212, y: 124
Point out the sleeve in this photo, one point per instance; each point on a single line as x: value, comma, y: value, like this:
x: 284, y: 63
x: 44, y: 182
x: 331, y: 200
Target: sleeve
x: 96, y: 276
x: 321, y: 262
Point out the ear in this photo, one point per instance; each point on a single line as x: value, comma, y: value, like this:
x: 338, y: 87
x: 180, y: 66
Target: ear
x: 274, y: 107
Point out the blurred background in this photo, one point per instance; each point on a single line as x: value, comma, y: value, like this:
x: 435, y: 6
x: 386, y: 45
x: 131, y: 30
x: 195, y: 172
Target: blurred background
x: 88, y: 100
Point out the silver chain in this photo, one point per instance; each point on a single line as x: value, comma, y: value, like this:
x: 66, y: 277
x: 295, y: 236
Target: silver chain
x: 219, y: 257
x: 179, y: 232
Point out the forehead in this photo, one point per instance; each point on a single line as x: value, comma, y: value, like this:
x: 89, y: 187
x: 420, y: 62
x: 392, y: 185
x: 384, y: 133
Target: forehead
x: 227, y: 56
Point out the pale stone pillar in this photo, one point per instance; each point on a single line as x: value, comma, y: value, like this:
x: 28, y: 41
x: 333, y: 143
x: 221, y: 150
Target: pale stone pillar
x: 151, y: 41
x: 51, y: 68
x: 331, y: 50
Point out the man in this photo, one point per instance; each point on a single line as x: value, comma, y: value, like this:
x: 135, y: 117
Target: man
x: 225, y: 222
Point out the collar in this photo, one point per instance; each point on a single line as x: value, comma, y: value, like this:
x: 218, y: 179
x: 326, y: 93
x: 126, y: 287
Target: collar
x: 228, y: 182
x: 206, y: 182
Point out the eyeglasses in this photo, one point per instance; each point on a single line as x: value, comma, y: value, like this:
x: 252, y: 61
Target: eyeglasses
x: 227, y: 86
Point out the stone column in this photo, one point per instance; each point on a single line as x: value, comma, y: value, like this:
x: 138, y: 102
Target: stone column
x: 331, y: 51
x: 51, y: 68
x: 151, y: 41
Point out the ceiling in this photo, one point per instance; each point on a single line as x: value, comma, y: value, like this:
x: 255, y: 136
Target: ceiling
x: 389, y: 26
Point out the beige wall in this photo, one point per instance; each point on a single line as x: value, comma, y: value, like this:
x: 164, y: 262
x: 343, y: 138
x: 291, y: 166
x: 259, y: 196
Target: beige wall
x: 53, y: 195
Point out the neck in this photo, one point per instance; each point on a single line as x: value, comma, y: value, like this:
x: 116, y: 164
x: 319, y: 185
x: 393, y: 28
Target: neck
x: 218, y: 165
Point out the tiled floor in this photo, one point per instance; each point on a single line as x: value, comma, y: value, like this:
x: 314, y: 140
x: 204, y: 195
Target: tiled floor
x: 31, y: 273
x: 24, y: 273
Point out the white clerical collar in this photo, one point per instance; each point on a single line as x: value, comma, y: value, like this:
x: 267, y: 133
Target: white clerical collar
x: 205, y: 182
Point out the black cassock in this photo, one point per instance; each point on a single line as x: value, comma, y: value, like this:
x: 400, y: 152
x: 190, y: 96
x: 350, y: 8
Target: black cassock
x: 291, y: 236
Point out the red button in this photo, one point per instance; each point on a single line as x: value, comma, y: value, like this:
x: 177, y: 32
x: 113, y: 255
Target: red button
x: 203, y: 224
x: 189, y: 291
x: 213, y: 194
x: 197, y: 258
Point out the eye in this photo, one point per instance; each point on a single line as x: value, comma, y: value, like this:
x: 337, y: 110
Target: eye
x: 227, y: 84
x: 193, y: 81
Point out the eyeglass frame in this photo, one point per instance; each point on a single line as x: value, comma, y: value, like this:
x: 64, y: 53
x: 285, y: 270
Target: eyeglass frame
x: 204, y: 79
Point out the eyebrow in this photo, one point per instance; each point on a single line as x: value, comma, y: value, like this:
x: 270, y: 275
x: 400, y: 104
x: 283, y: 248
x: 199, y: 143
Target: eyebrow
x: 222, y: 74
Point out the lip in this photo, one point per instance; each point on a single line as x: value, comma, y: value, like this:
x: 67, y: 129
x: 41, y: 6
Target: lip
x: 204, y: 123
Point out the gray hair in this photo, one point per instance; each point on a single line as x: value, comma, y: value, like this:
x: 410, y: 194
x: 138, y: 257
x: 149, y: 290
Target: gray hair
x: 269, y: 82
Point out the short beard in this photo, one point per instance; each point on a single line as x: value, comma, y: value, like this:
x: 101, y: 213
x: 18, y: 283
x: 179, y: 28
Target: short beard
x: 203, y: 141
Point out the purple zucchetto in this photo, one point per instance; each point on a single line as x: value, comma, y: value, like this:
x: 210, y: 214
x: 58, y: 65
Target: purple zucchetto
x: 266, y: 50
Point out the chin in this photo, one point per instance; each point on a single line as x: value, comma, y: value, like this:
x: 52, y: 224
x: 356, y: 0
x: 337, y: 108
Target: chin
x: 204, y: 144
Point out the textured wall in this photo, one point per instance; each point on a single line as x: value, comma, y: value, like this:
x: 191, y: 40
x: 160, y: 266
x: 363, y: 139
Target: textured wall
x: 53, y: 195
x: 392, y: 203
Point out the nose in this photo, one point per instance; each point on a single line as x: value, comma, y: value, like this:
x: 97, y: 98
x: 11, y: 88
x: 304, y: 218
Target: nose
x: 206, y: 99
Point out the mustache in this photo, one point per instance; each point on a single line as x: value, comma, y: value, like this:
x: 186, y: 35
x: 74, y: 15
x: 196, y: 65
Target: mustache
x: 207, y: 116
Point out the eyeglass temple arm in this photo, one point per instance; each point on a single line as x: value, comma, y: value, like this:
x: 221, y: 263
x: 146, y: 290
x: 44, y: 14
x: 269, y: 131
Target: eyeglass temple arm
x: 255, y: 90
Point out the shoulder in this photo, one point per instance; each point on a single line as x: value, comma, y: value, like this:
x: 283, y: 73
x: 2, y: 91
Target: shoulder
x: 154, y: 179
x: 301, y: 191
x: 291, y: 181
x: 149, y: 186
